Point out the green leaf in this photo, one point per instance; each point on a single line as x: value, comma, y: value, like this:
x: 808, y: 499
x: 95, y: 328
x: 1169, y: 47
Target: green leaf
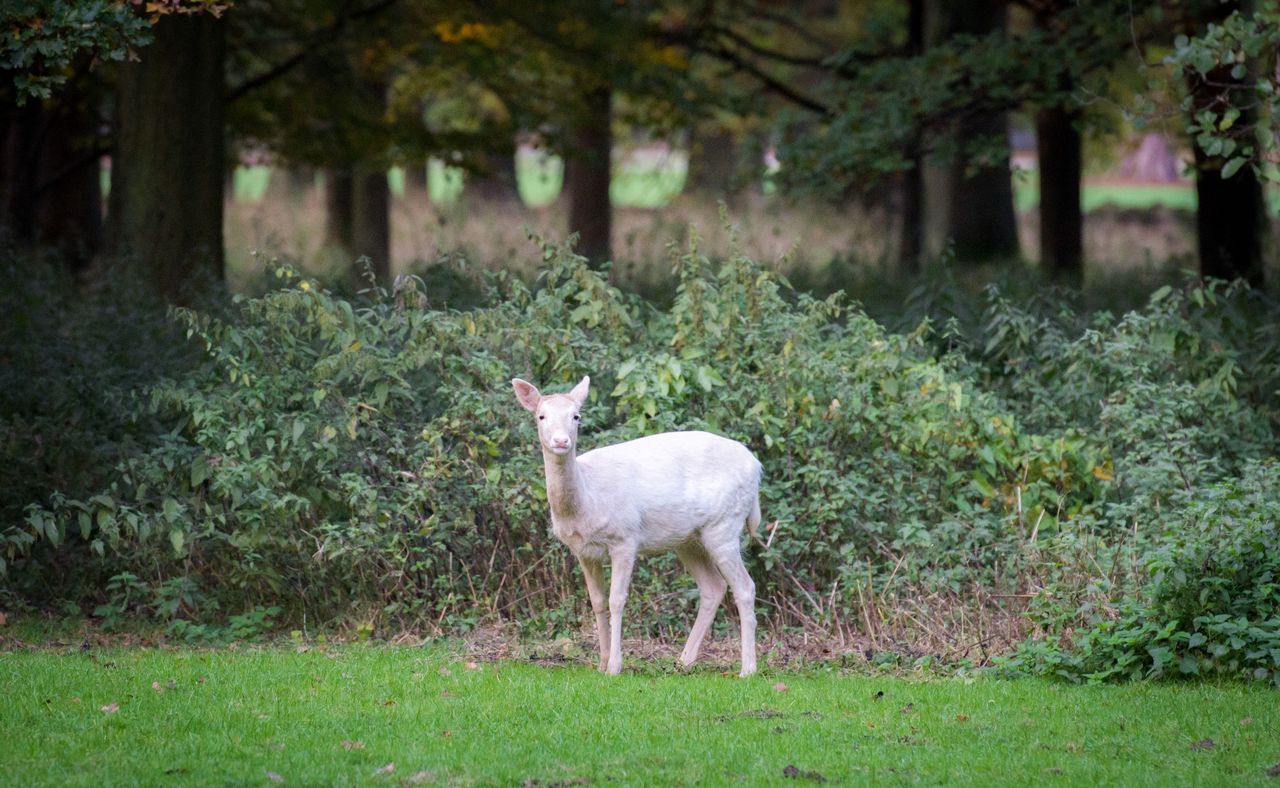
x: 1232, y: 166
x: 200, y: 471
x: 178, y: 539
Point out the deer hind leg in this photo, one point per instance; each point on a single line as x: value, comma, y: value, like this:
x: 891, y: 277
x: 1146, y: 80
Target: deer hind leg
x: 728, y: 558
x: 711, y: 588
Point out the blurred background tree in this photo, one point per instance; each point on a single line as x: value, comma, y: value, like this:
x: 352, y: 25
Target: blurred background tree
x: 905, y: 114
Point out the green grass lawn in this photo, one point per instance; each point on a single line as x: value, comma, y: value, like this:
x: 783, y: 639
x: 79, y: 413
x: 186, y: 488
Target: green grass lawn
x: 377, y: 714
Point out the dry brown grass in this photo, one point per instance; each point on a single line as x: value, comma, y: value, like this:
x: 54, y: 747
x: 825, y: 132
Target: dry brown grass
x: 798, y: 239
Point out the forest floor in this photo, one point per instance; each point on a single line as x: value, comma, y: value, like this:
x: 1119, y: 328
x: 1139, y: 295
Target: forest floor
x: 95, y: 712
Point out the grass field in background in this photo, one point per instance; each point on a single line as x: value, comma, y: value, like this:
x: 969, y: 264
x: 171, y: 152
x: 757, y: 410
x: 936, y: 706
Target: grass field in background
x: 653, y: 182
x: 375, y: 714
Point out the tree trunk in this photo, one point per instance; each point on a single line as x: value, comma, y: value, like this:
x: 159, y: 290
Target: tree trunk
x: 1061, y: 221
x: 713, y: 163
x: 496, y: 186
x: 978, y: 214
x: 911, y: 210
x: 19, y: 177
x: 1231, y: 220
x: 167, y: 173
x: 371, y: 221
x: 339, y: 209
x: 587, y: 179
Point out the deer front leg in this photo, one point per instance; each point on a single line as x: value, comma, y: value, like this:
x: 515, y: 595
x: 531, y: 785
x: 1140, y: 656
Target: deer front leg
x: 593, y: 571
x: 622, y: 560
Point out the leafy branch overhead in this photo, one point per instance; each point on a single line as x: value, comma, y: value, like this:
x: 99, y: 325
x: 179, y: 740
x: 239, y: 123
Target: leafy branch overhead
x: 42, y: 40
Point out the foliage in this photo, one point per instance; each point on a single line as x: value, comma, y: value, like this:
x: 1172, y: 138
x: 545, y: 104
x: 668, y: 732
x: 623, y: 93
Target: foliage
x: 74, y: 360
x: 1236, y: 57
x: 1212, y: 603
x: 364, y: 459
x: 43, y: 39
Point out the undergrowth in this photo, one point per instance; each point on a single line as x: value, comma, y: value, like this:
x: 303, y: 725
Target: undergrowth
x: 991, y: 468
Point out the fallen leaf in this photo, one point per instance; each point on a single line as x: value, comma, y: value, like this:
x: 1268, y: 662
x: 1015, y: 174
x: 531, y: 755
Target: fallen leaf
x: 347, y: 744
x: 200, y: 680
x: 1246, y: 722
x: 446, y: 694
x: 1203, y: 744
x: 907, y: 709
x: 111, y: 708
x: 388, y: 769
x: 962, y: 718
x: 1274, y: 771
x: 171, y: 684
x: 388, y: 702
x: 275, y: 778
x: 446, y: 734
x: 155, y: 685
x: 445, y: 672
x: 419, y: 778
x: 3, y: 618
x: 779, y: 687
x: 791, y: 771
x: 472, y: 665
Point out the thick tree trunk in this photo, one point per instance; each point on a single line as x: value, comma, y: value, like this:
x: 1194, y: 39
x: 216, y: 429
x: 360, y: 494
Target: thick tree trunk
x: 980, y: 217
x: 587, y: 178
x: 371, y: 221
x: 19, y: 176
x: 977, y: 211
x: 911, y: 208
x: 1061, y: 221
x: 339, y: 209
x: 167, y: 174
x: 69, y: 214
x: 1231, y: 220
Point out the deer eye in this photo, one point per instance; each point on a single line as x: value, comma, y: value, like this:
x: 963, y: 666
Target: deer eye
x: 542, y: 418
x: 576, y: 417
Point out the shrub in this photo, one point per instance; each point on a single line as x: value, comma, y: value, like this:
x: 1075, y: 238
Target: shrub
x: 364, y: 459
x: 1212, y: 603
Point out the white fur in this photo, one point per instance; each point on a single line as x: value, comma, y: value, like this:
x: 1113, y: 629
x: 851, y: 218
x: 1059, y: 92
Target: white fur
x: 687, y: 492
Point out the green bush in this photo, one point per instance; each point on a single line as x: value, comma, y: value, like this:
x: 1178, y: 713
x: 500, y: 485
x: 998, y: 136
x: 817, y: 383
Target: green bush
x: 1212, y: 603
x: 363, y: 459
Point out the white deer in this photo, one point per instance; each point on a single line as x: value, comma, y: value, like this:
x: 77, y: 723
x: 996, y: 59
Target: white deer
x: 688, y: 492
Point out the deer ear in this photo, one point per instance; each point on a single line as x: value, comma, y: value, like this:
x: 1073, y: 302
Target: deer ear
x: 527, y: 393
x: 579, y: 392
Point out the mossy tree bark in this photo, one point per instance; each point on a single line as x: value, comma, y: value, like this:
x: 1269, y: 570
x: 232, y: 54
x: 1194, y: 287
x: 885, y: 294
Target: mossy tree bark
x: 168, y: 167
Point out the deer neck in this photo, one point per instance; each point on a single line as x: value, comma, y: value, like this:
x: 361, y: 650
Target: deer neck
x: 565, y: 489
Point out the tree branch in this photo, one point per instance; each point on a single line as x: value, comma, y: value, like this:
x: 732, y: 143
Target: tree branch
x: 322, y: 37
